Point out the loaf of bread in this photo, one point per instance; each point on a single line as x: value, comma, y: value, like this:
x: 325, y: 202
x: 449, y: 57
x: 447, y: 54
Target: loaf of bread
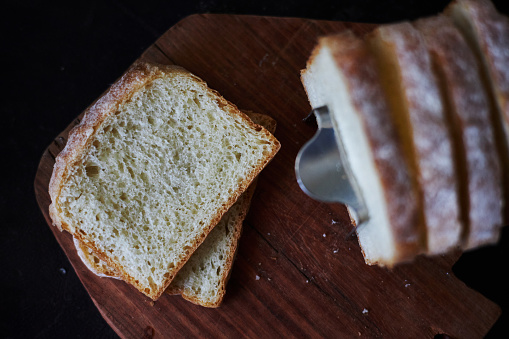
x: 487, y: 33
x: 419, y: 114
x: 151, y: 169
x: 433, y: 97
x: 202, y: 280
x: 467, y: 108
x: 341, y: 73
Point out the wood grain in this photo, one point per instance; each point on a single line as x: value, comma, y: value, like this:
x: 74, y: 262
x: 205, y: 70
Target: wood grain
x: 296, y: 274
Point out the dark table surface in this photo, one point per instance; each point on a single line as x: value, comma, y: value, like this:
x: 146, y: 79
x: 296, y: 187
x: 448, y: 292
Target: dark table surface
x: 58, y: 58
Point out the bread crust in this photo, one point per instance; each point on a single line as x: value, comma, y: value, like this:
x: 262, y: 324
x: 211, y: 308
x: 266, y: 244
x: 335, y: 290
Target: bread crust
x: 477, y: 163
x: 139, y: 75
x: 353, y: 58
x: 87, y: 256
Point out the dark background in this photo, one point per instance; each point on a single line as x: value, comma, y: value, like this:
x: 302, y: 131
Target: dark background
x: 56, y: 59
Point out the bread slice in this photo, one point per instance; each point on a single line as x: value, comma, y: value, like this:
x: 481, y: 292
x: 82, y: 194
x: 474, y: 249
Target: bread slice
x: 466, y: 103
x: 202, y: 280
x: 420, y: 118
x: 487, y: 33
x: 341, y: 73
x: 151, y: 169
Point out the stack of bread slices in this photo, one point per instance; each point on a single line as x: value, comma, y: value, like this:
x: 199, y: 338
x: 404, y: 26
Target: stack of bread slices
x: 422, y: 110
x: 157, y: 179
x: 202, y: 280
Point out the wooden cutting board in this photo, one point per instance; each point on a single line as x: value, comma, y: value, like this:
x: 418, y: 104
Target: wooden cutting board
x: 296, y: 273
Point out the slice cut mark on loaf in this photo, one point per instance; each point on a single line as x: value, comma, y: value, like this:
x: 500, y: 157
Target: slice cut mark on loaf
x: 420, y: 118
x: 151, y: 168
x: 202, y: 280
x: 487, y: 33
x: 341, y: 74
x: 467, y: 108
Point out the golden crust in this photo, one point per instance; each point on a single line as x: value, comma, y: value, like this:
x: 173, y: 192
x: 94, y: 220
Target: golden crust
x: 138, y: 76
x: 88, y: 257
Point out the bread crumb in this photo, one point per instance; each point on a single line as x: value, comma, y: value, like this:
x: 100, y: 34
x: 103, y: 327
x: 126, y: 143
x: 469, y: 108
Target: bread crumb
x: 262, y: 60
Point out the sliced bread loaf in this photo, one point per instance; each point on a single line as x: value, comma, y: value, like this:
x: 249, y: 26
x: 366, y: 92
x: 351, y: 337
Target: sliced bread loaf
x: 487, y: 33
x: 151, y: 169
x: 418, y: 111
x: 202, y: 280
x: 466, y: 104
x: 341, y: 73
